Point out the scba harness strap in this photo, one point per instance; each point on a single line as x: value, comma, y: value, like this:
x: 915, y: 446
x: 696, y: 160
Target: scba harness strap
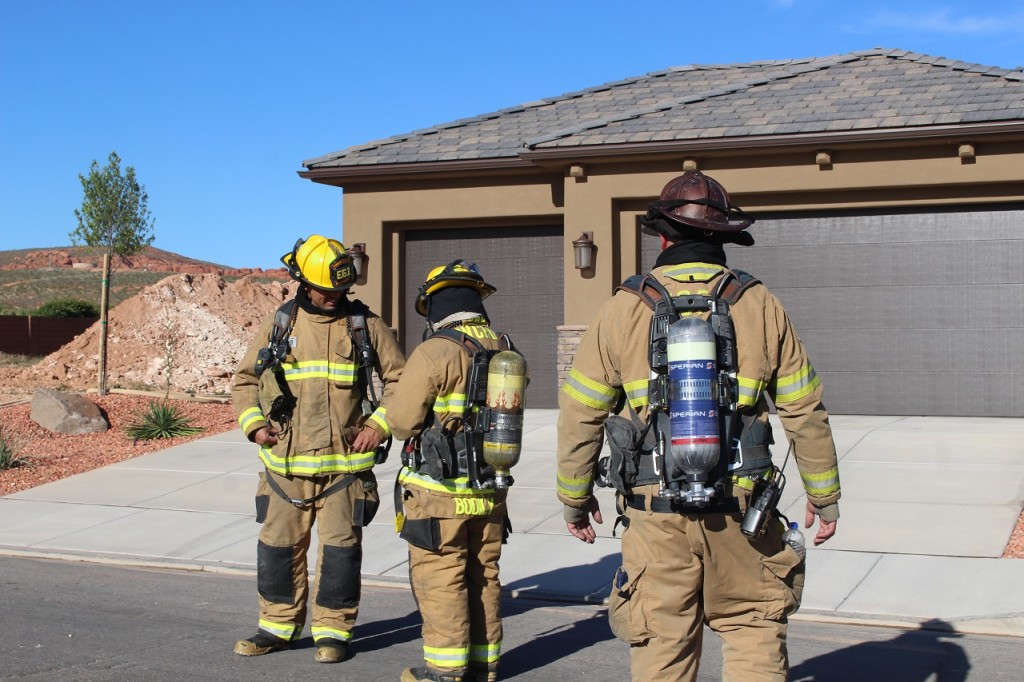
x: 455, y: 448
x: 280, y: 397
x: 633, y: 443
x: 338, y: 486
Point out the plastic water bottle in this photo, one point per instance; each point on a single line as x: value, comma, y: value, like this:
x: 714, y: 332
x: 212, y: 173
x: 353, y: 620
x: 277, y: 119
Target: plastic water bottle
x: 795, y: 539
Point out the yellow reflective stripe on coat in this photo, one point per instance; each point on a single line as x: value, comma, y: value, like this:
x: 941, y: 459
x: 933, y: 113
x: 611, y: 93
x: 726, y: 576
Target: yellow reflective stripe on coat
x: 455, y: 657
x: 479, y: 330
x: 282, y: 630
x: 636, y: 393
x: 317, y: 465
x: 453, y: 403
x: 319, y: 369
x: 575, y: 488
x: 749, y: 391
x: 452, y: 486
x: 744, y: 482
x: 485, y: 653
x: 796, y: 385
x: 694, y: 272
x: 825, y: 483
x: 320, y: 632
x: 589, y: 392
x: 250, y: 417
x: 378, y: 418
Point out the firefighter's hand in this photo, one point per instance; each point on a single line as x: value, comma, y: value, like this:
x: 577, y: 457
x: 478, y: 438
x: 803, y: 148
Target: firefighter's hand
x: 366, y: 440
x: 826, y: 529
x: 582, y: 529
x: 266, y: 435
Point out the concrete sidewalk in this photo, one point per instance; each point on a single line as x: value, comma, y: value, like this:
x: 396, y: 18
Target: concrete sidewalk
x: 929, y: 504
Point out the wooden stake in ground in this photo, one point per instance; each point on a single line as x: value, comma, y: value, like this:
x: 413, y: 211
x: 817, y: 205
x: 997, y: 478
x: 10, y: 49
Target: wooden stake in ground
x: 104, y: 305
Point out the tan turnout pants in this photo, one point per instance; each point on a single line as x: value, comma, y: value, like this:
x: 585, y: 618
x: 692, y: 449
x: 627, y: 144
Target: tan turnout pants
x: 681, y: 571
x: 457, y: 589
x: 282, y: 571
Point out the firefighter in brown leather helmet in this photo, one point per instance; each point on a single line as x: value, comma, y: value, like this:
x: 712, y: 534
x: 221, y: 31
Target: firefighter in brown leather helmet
x: 303, y: 392
x: 687, y: 557
x: 454, y: 525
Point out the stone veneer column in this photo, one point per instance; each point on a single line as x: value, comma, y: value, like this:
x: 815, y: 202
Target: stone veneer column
x: 568, y: 341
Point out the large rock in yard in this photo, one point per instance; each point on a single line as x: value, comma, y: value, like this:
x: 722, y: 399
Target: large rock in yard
x: 66, y: 412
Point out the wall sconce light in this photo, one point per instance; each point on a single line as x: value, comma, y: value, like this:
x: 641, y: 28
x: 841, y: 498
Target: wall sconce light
x: 966, y: 152
x: 690, y: 165
x: 360, y: 261
x: 577, y: 171
x: 823, y: 159
x: 583, y: 251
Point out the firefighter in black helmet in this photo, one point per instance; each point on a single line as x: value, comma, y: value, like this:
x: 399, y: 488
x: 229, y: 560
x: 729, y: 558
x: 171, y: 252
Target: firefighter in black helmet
x: 686, y: 558
x: 452, y: 521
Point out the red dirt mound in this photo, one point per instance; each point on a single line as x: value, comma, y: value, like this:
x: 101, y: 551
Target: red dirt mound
x: 186, y: 333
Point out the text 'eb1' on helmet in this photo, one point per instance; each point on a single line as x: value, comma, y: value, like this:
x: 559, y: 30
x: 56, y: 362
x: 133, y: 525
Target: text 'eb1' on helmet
x: 322, y: 263
x: 458, y: 273
x: 695, y: 200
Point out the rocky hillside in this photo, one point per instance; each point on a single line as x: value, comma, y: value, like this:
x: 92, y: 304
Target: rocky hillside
x: 30, y: 278
x: 148, y: 260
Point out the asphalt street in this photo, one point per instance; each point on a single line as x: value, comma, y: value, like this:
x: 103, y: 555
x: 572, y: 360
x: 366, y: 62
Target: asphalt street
x: 90, y: 622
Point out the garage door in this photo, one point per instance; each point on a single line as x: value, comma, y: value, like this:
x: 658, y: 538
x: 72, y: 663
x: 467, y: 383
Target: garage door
x: 525, y: 264
x: 903, y: 313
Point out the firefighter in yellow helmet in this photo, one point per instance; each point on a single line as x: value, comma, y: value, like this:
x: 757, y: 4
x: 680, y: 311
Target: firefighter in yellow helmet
x: 690, y: 456
x: 304, y: 392
x: 452, y: 518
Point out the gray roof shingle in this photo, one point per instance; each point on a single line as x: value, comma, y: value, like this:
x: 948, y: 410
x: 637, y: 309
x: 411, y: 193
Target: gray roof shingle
x: 866, y: 90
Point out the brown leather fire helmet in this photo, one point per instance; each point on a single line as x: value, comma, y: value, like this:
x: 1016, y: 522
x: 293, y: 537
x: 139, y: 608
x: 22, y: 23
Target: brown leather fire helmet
x: 694, y: 200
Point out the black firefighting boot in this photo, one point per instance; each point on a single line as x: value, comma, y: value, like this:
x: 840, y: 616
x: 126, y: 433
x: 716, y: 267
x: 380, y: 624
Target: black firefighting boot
x: 480, y: 674
x: 428, y: 675
x: 331, y: 650
x: 259, y: 644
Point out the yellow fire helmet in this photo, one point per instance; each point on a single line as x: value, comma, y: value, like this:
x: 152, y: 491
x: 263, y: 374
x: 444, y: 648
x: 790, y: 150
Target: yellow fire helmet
x: 458, y: 273
x: 322, y: 263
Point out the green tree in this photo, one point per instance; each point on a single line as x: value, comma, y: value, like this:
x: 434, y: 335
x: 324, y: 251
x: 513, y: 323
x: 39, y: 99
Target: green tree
x: 114, y: 216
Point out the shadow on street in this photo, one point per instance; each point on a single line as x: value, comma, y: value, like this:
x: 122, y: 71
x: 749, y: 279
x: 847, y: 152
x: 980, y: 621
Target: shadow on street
x: 913, y: 656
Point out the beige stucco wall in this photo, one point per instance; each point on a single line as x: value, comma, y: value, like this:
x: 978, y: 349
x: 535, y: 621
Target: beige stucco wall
x: 606, y: 198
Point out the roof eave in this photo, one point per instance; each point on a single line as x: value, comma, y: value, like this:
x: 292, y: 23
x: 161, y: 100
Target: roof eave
x: 339, y: 175
x: 530, y: 161
x: 559, y: 155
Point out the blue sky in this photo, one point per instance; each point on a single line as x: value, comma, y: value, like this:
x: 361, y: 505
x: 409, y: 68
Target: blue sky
x: 217, y: 103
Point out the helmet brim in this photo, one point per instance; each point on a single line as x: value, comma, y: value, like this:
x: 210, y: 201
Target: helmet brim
x: 736, y: 220
x: 482, y: 288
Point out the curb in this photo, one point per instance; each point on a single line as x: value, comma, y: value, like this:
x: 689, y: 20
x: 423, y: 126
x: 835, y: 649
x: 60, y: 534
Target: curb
x: 1008, y: 625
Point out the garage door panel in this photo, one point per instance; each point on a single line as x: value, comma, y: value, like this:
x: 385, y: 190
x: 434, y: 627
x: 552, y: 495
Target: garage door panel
x: 954, y: 226
x: 518, y: 313
x: 913, y: 350
x: 525, y: 264
x: 933, y: 307
x: 965, y: 394
x: 891, y: 265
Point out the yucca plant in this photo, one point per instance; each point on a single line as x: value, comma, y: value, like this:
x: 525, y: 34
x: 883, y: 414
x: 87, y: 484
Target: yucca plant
x: 9, y: 449
x: 160, y: 420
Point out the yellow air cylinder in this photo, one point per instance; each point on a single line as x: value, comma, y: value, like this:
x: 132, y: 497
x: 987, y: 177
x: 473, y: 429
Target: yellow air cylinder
x: 506, y: 393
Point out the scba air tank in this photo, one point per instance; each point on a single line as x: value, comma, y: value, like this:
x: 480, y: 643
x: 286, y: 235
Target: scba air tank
x: 694, y: 445
x: 506, y: 394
